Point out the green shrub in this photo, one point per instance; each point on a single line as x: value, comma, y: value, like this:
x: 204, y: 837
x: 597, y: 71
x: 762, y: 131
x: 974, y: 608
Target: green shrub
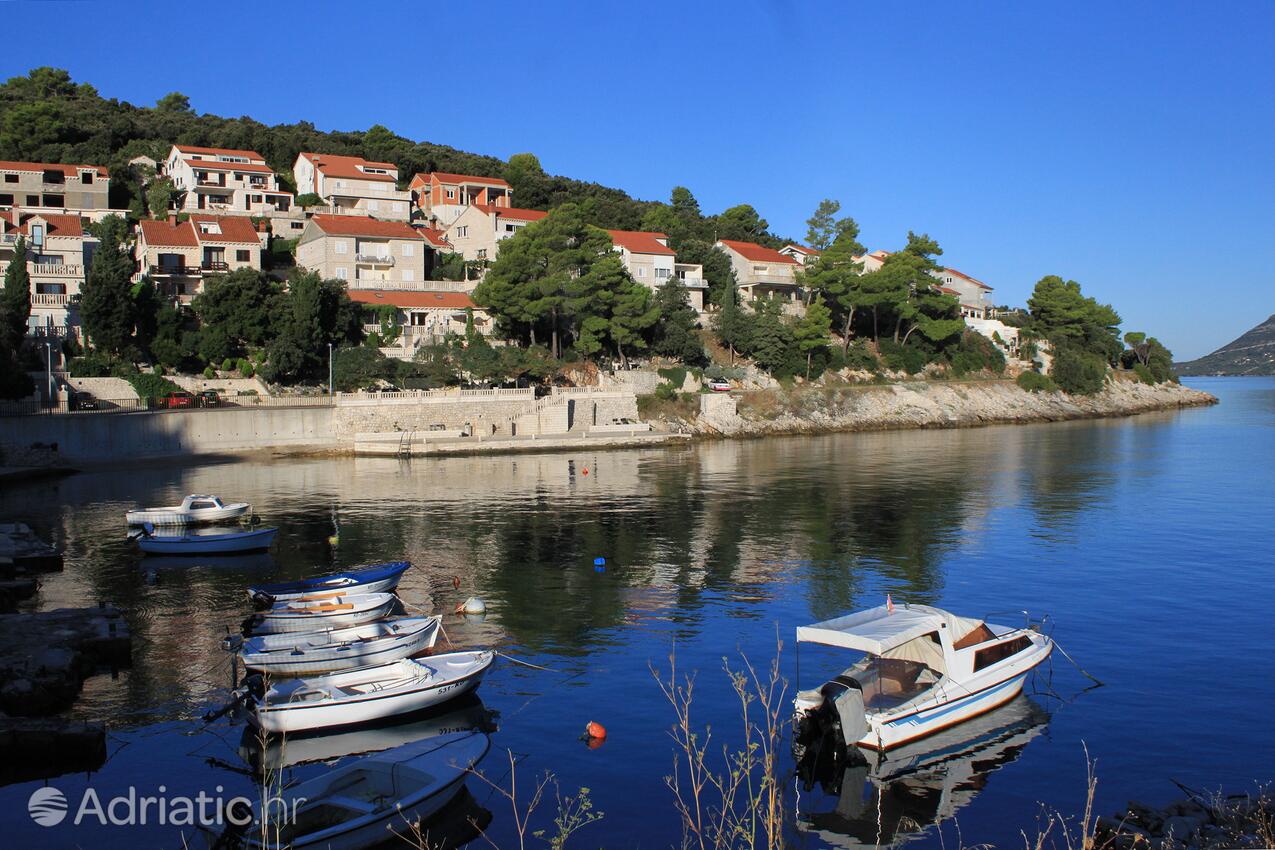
x: 675, y: 375
x: 902, y: 358
x: 666, y: 392
x: 1143, y: 373
x: 244, y: 366
x: 860, y: 357
x: 210, y: 372
x: 1078, y: 372
x: 1034, y: 382
x: 90, y: 365
x: 150, y: 386
x: 227, y: 365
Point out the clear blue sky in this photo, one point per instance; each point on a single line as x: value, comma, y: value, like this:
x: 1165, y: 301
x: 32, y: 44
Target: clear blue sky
x: 1126, y: 145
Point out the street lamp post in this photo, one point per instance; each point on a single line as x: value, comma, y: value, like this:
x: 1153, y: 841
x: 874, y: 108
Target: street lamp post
x: 48, y: 349
x: 331, y: 389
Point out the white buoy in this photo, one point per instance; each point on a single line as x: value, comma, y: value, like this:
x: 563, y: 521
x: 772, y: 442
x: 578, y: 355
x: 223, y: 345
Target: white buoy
x: 474, y: 605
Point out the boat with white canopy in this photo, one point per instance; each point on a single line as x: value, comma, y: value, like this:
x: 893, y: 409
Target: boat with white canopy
x: 193, y: 510
x: 921, y: 670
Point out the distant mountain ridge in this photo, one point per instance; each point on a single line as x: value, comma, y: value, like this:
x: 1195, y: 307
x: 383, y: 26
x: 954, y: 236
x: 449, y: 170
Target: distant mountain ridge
x: 1252, y: 354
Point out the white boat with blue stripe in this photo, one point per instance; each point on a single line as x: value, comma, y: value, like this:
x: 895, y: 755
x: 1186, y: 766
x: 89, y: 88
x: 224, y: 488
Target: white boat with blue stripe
x: 921, y: 670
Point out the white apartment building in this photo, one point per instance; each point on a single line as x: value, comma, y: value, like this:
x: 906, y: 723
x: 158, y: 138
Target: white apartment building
x: 368, y: 253
x: 72, y: 189
x: 57, y: 252
x: 351, y: 185
x: 477, y: 231
x: 221, y: 180
x: 651, y: 262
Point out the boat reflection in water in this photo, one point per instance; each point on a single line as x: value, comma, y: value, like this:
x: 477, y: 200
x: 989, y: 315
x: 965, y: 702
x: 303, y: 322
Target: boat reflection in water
x: 277, y: 753
x: 886, y: 800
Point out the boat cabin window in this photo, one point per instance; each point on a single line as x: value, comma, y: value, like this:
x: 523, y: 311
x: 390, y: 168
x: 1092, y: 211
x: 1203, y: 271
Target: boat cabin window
x: 995, y: 654
x: 199, y: 506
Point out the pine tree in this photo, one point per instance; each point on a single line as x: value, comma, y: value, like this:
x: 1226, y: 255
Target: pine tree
x: 17, y: 293
x: 107, y: 308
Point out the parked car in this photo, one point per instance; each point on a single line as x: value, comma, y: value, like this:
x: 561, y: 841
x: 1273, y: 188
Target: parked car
x: 174, y: 400
x: 84, y: 401
x: 718, y: 385
x: 208, y: 398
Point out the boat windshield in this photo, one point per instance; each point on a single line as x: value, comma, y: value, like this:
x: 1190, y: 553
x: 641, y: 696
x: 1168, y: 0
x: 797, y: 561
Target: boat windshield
x: 890, y: 682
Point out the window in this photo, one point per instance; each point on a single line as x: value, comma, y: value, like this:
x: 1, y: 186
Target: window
x: 6, y: 200
x: 339, y: 246
x: 298, y: 225
x: 661, y: 274
x: 510, y: 228
x: 86, y: 177
x: 243, y: 256
x: 482, y: 253
x: 999, y: 652
x: 641, y: 271
x: 451, y: 194
x: 462, y: 232
x: 340, y: 272
x: 409, y: 250
x: 409, y: 274
x: 759, y: 269
x: 37, y: 234
x: 33, y: 200
x: 11, y: 178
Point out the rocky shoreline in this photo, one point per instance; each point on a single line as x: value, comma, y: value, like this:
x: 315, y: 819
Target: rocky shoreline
x: 1208, y: 822
x: 923, y: 404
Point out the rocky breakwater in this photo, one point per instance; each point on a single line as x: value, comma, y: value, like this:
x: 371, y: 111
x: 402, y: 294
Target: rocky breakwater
x: 923, y: 404
x: 44, y: 659
x: 1209, y: 822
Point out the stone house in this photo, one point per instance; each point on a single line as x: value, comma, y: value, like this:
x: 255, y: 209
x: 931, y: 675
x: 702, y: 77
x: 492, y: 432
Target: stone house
x: 368, y: 253
x: 351, y: 185
x: 650, y: 261
x: 227, y: 181
x: 180, y: 256
x: 440, y: 197
x: 477, y: 231
x: 57, y: 253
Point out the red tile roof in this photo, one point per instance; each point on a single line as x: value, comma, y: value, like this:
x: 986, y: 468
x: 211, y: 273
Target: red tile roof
x: 358, y: 225
x: 514, y: 212
x: 802, y: 249
x: 217, y: 165
x: 58, y: 225
x: 435, y: 237
x: 68, y: 170
x: 219, y: 152
x: 948, y: 291
x: 163, y: 234
x: 236, y: 229
x: 418, y: 300
x: 457, y: 179
x: 970, y: 279
x: 753, y: 252
x: 334, y: 165
x: 641, y: 242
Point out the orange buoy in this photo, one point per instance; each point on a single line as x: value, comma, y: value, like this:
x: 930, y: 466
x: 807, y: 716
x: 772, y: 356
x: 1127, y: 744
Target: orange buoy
x: 595, y: 731
x: 594, y: 743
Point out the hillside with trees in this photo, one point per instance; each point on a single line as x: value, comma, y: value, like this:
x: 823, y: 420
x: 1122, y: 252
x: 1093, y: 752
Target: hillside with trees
x: 1252, y: 353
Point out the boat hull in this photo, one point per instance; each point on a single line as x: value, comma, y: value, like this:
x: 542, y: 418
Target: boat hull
x: 212, y: 544
x: 291, y: 718
x: 930, y: 721
x: 337, y: 651
x: 268, y: 624
x: 380, y: 579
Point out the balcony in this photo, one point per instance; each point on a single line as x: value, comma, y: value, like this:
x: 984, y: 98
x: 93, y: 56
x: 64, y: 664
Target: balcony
x: 214, y: 266
x: 50, y: 299
x: 172, y: 271
x: 374, y: 259
x: 56, y: 270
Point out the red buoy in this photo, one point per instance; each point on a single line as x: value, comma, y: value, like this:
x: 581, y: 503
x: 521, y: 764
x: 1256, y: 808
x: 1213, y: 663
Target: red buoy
x: 596, y: 731
x: 586, y: 470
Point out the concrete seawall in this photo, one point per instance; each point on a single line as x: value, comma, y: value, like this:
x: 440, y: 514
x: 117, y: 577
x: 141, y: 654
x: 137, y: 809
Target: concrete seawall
x: 91, y: 437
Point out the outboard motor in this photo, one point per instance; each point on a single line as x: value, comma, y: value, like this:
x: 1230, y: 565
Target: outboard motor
x: 261, y: 601
x: 835, y: 712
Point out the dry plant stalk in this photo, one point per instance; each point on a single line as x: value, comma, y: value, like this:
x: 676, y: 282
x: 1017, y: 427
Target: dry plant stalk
x: 737, y: 802
x: 573, y: 813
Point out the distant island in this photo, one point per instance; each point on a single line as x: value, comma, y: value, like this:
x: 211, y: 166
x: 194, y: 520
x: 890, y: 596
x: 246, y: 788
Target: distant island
x: 1252, y: 354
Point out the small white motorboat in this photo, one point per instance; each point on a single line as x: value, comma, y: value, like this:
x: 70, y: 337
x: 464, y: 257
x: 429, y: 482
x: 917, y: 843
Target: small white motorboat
x: 318, y: 615
x: 220, y: 543
x: 306, y: 653
x: 193, y: 510
x: 923, y: 670
x: 368, y: 693
x: 360, y: 804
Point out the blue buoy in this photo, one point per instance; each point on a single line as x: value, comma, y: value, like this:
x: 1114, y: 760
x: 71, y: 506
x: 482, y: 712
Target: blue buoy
x: 599, y: 562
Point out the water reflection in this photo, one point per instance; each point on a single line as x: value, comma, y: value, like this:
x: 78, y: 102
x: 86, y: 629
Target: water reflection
x: 863, y: 800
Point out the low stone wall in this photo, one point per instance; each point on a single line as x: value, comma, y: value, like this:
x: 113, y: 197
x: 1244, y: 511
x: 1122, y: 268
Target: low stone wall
x: 485, y: 415
x: 111, y: 389
x: 225, y: 386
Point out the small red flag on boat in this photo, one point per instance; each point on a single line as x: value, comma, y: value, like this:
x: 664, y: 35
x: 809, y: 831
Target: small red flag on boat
x: 889, y: 604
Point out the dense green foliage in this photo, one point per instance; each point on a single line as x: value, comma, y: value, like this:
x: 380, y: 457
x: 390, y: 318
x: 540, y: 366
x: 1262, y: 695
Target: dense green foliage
x: 148, y: 385
x: 1035, y: 382
x: 675, y: 334
x: 1078, y: 371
